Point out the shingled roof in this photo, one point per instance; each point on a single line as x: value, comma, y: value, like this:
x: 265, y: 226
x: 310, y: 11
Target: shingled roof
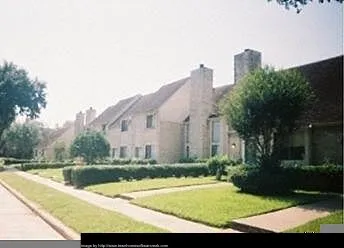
x: 113, y: 111
x: 326, y: 79
x: 153, y: 101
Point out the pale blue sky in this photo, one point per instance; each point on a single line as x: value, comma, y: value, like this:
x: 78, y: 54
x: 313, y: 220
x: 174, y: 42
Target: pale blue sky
x: 94, y: 53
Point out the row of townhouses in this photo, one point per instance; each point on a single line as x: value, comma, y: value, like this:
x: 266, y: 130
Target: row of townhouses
x: 181, y: 119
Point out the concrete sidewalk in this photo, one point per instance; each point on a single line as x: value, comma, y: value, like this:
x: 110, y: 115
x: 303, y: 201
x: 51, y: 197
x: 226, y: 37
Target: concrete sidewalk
x: 165, y: 221
x: 18, y: 222
x: 138, y: 194
x: 289, y: 218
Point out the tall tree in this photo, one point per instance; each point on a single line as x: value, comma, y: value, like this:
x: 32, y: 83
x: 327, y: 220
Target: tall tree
x: 19, y: 95
x: 60, y: 151
x: 90, y: 145
x: 20, y: 140
x: 263, y: 108
x: 298, y: 4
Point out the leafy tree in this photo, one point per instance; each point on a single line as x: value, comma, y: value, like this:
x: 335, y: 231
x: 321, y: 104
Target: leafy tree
x: 60, y: 151
x: 297, y: 4
x: 20, y: 140
x: 19, y: 95
x: 263, y: 108
x: 90, y: 145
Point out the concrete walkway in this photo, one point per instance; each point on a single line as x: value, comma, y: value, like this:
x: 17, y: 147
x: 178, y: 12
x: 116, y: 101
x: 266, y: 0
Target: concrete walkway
x: 18, y: 222
x: 286, y: 219
x: 165, y: 221
x: 138, y: 194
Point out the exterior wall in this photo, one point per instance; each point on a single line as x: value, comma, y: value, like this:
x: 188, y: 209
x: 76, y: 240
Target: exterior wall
x: 67, y: 137
x: 327, y: 144
x: 201, y: 104
x: 136, y: 136
x: 170, y: 142
x: 234, y: 146
x: 176, y: 108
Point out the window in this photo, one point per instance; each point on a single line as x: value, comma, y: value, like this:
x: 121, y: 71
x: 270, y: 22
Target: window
x: 293, y: 153
x: 123, y: 152
x: 114, y: 152
x: 214, y: 150
x: 137, y: 152
x: 148, y: 151
x: 149, y: 121
x: 215, y: 138
x: 215, y: 133
x: 187, y: 132
x: 124, y: 125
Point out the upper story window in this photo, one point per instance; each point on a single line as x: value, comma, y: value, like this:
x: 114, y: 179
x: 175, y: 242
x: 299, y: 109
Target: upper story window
x: 150, y: 121
x: 215, y: 132
x: 215, y: 138
x: 187, y: 132
x: 124, y: 125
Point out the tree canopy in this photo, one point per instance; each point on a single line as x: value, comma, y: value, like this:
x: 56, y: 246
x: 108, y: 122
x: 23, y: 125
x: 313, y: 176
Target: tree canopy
x: 263, y: 108
x: 19, y: 95
x: 20, y: 140
x: 90, y: 145
x: 298, y: 4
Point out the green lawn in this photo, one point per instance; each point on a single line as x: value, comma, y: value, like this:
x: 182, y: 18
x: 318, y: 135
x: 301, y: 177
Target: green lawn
x: 77, y: 214
x: 54, y: 174
x: 314, y: 226
x: 115, y: 189
x: 218, y: 206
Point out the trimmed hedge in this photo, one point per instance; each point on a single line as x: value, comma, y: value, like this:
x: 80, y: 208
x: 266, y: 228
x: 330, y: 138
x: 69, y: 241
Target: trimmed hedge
x: 126, y: 162
x: 326, y: 178
x: 8, y: 161
x: 87, y: 175
x: 256, y: 181
x: 31, y: 166
x: 67, y: 174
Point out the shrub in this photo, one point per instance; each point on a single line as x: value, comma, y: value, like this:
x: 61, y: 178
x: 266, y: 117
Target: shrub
x: 256, y: 181
x: 188, y: 160
x: 2, y: 168
x: 8, y: 161
x: 217, y: 165
x: 325, y: 178
x: 88, y: 175
x: 67, y: 174
x: 30, y: 166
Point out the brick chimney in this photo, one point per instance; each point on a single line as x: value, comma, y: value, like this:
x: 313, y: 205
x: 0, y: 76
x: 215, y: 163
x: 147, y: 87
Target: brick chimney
x: 245, y: 62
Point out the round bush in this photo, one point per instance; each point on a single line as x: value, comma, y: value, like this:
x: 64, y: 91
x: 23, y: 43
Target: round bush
x: 256, y: 181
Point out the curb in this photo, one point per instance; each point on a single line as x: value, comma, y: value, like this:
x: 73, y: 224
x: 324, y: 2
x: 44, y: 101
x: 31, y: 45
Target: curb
x: 56, y: 224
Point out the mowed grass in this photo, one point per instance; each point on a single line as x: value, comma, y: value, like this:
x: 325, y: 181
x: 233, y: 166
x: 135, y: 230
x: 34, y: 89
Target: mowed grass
x: 54, y: 174
x: 77, y: 214
x: 219, y: 206
x: 115, y: 189
x: 314, y: 226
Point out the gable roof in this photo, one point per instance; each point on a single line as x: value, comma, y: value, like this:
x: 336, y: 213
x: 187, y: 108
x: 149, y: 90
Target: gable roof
x: 326, y: 80
x: 111, y: 112
x: 218, y: 94
x: 153, y: 101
